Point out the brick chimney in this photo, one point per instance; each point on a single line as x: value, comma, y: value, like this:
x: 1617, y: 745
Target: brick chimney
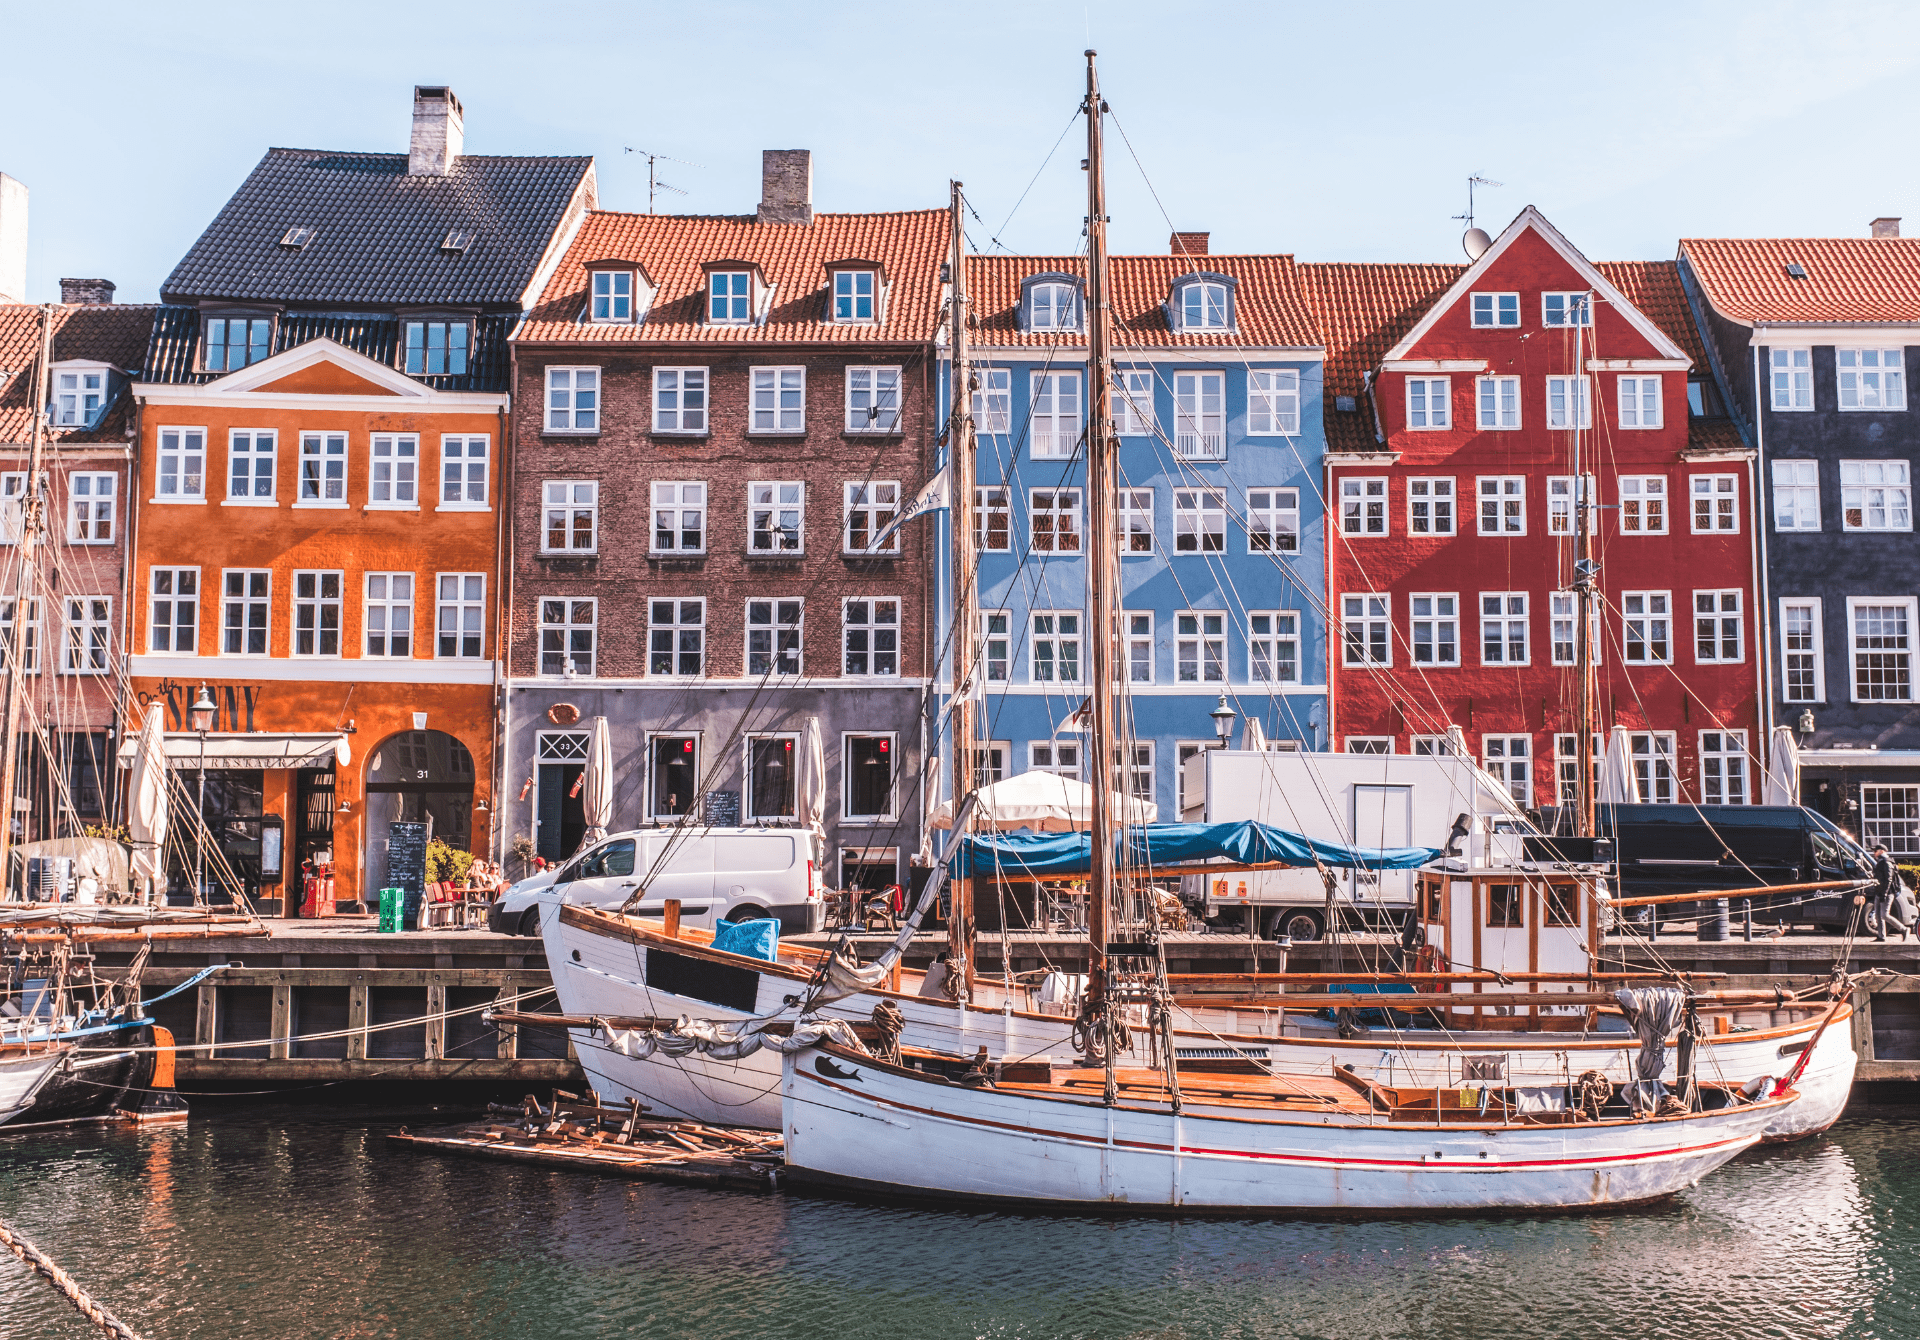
x: 87, y: 292
x: 1188, y: 244
x: 786, y: 186
x: 438, y: 132
x: 13, y: 240
x: 1886, y: 228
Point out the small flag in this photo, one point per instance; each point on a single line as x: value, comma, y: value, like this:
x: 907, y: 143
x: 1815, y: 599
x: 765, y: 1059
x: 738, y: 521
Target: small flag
x: 932, y: 498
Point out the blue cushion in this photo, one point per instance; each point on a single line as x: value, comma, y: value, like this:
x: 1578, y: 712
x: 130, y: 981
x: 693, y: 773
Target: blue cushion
x: 755, y: 939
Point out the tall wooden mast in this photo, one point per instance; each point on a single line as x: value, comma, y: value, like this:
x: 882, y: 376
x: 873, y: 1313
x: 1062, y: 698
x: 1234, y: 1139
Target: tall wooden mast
x: 31, y: 523
x: 1583, y: 594
x: 960, y: 452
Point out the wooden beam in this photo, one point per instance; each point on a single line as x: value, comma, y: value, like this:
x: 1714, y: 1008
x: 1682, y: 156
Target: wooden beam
x: 1714, y: 895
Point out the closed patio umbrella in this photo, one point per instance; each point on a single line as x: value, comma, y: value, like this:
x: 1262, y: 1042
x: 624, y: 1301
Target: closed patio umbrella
x: 147, y: 806
x: 1783, y: 770
x: 1618, y: 784
x: 813, y: 780
x: 596, y: 784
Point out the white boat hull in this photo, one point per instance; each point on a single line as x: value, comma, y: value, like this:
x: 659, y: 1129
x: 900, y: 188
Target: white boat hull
x: 21, y: 1076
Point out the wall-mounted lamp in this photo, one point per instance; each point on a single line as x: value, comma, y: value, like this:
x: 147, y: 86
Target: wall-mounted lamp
x: 345, y: 808
x: 1805, y: 724
x: 481, y: 806
x: 1223, y: 717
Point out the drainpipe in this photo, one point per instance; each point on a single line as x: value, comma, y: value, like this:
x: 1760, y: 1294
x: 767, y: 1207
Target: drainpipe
x: 1328, y: 518
x: 1763, y: 625
x: 502, y: 622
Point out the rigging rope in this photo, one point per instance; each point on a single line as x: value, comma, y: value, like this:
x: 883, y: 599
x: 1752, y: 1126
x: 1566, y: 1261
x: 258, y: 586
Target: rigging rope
x: 45, y: 1267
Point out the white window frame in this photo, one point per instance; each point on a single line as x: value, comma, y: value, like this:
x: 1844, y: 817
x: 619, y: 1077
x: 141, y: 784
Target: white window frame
x: 995, y: 656
x: 1371, y: 612
x: 79, y: 397
x: 1875, y: 380
x: 1057, y: 505
x: 1055, y: 417
x: 1891, y: 814
x: 1640, y: 402
x: 868, y: 407
x: 570, y: 499
x: 1507, y: 495
x: 1138, y: 773
x: 1641, y: 497
x: 318, y: 604
x: 1809, y: 659
x: 86, y: 643
x: 1273, y: 646
x: 1855, y: 604
x: 1200, y: 647
x: 1791, y: 376
x: 261, y: 445
x: 29, y: 638
x: 865, y: 622
x: 673, y: 630
x: 320, y: 478
x: 1054, y: 644
x: 466, y: 468
x: 993, y: 401
x: 1140, y: 647
x: 1200, y: 416
x: 1718, y: 496
x: 1646, y: 612
x: 1796, y: 495
x: 1564, y: 615
x: 1059, y: 757
x: 1053, y: 305
x: 1726, y: 773
x: 1713, y: 612
x: 13, y: 495
x: 393, y: 470
x: 178, y: 447
x: 656, y: 802
x: 1496, y: 404
x: 1133, y: 408
x: 1430, y: 500
x: 1566, y: 766
x: 250, y: 599
x: 1490, y: 303
x: 562, y: 631
x: 377, y: 597
x: 777, y: 516
x: 682, y: 400
x: 729, y: 297
x: 1133, y: 521
x: 990, y: 501
x: 674, y: 502
x: 1370, y: 744
x: 459, y: 615
x: 1273, y: 520
x: 869, y: 507
x: 895, y: 770
x: 1434, y: 612
x: 1273, y: 403
x: 1199, y: 521
x: 1500, y: 613
x: 756, y: 812
x: 610, y: 297
x: 779, y: 624
x: 1429, y: 404
x: 856, y: 303
x: 1894, y: 483
x: 92, y: 506
x: 181, y: 640
x: 1512, y: 769
x: 777, y: 400
x: 1560, y: 415
x: 1363, y: 505
x: 1576, y: 309
x: 1207, y: 299
x: 1655, y: 756
x: 573, y: 400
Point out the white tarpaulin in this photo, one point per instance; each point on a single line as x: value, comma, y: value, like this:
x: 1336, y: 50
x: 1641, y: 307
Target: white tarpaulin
x: 596, y: 782
x: 147, y: 804
x: 1782, y: 785
x: 1618, y: 785
x: 1045, y: 802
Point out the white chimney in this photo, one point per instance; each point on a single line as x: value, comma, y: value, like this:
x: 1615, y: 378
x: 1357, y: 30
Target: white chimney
x: 1886, y: 227
x: 438, y: 132
x: 13, y: 240
x: 786, y: 186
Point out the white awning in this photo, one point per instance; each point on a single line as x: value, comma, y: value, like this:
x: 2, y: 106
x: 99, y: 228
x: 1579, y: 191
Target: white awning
x: 248, y: 749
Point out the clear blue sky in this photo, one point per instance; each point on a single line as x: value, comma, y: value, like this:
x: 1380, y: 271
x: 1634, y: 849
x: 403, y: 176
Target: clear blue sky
x: 1336, y: 131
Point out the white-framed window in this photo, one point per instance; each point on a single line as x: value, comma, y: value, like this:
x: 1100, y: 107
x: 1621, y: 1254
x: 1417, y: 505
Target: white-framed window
x: 853, y: 293
x: 1497, y: 401
x: 173, y: 611
x: 996, y: 646
x: 1366, y: 629
x: 1871, y: 378
x: 1273, y: 646
x: 774, y: 633
x: 388, y: 620
x: 1133, y: 520
x: 1203, y: 306
x: 573, y: 400
x: 1429, y: 402
x: 1056, y: 647
x: 460, y: 615
x: 1566, y: 766
x: 1430, y: 506
x: 1059, y: 757
x: 993, y: 520
x: 1133, y: 414
x: 13, y: 495
x: 1639, y: 402
x: 779, y: 400
x: 993, y: 400
x: 612, y: 296
x: 1139, y: 645
x: 1495, y: 309
x: 1796, y: 495
x: 1503, y: 628
x: 1723, y: 767
x: 1882, y: 637
x: 1569, y: 402
x: 1432, y: 746
x: 680, y: 400
x: 1643, y: 504
x: 323, y: 470
x: 246, y: 611
x: 1716, y: 504
x: 1792, y: 378
x: 1566, y: 309
x: 88, y: 645
x: 772, y: 770
x: 1199, y: 521
x: 29, y: 637
x: 233, y: 342
x: 1134, y: 777
x: 1363, y: 505
x: 1056, y: 415
x: 568, y: 630
x: 1803, y: 651
x: 91, y: 496
x: 1200, y: 415
x: 873, y: 400
x: 1436, y: 627
x: 463, y: 472
x: 1565, y: 617
x: 1560, y: 505
x: 676, y: 637
x: 1509, y: 759
x: 1875, y: 495
x: 1273, y: 521
x: 730, y: 297
x: 776, y: 516
x: 250, y: 457
x: 1647, y: 618
x: 316, y: 613
x: 1717, y: 639
x: 180, y: 465
x: 572, y: 518
x: 1052, y: 307
x: 673, y: 774
x: 1652, y: 754
x: 437, y: 348
x: 1053, y: 521
x: 870, y: 636
x: 1200, y: 647
x: 1891, y: 814
x: 393, y: 470
x: 1273, y: 402
x: 679, y: 516
x: 78, y: 397
x: 1503, y: 504
x: 870, y: 508
x: 1369, y: 744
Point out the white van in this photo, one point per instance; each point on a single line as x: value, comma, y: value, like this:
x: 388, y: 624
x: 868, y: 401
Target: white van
x: 717, y: 874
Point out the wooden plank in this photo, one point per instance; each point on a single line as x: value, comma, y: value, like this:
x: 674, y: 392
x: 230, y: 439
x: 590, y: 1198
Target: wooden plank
x: 436, y: 1022
x: 278, y: 1048
x: 203, y: 1019
x: 357, y: 1021
x: 507, y: 1043
x: 533, y: 1071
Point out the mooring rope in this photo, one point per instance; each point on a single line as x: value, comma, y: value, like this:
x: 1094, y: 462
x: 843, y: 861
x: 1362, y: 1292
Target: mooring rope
x: 44, y: 1267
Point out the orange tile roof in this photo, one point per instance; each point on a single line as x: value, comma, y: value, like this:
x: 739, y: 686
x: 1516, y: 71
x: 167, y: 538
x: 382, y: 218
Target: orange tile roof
x: 1363, y: 310
x: 671, y: 248
x: 1848, y: 278
x: 113, y: 333
x: 1654, y: 287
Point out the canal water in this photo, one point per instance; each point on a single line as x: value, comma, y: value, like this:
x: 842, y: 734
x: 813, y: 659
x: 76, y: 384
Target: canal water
x: 300, y: 1220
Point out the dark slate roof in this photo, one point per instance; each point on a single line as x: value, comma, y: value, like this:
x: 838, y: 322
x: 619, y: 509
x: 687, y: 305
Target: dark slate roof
x: 377, y: 232
x: 176, y: 335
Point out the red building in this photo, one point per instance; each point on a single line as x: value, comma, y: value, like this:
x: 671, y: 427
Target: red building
x: 1460, y: 395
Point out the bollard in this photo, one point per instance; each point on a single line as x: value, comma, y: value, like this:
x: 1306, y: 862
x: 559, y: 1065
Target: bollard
x: 1714, y: 923
x: 1746, y: 910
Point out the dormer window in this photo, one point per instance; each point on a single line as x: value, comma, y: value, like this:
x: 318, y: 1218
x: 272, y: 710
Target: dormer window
x: 730, y: 296
x: 1204, y: 302
x: 436, y: 348
x: 233, y: 342
x: 612, y: 295
x: 1050, y: 302
x: 79, y: 396
x: 853, y: 295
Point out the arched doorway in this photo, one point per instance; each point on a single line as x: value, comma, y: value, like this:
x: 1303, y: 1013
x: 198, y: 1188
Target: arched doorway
x: 421, y: 776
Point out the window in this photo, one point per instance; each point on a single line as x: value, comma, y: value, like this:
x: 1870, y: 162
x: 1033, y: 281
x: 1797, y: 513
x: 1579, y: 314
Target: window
x: 1135, y: 776
x: 1647, y: 616
x: 1566, y: 622
x: 853, y: 295
x: 1509, y: 758
x: 679, y: 516
x: 776, y: 511
x: 1139, y: 626
x: 1503, y: 628
x: 1428, y: 402
x: 1716, y: 627
x: 13, y: 490
x: 1430, y: 506
x: 1559, y: 504
x: 394, y: 468
x: 88, y: 646
x: 870, y: 636
x: 1874, y: 495
x: 323, y: 469
x: 1891, y: 814
x: 1566, y: 309
x: 235, y: 341
x: 773, y: 637
x: 1363, y: 506
x: 244, y: 610
x: 173, y: 611
x: 770, y: 776
x: 1639, y: 402
x: 1273, y: 646
x: 1643, y: 505
x: 992, y: 520
x: 1792, y: 378
x: 567, y: 636
x: 78, y: 398
x: 1566, y: 765
x: 873, y: 400
x: 1715, y: 504
x: 1199, y: 521
x: 1496, y: 309
x: 1053, y: 521
x: 1133, y: 520
x: 436, y: 348
x: 1273, y: 521
x: 316, y: 613
x: 1703, y: 399
x: 995, y: 646
x: 1569, y: 402
x: 869, y: 776
x: 1436, y: 628
x: 1503, y: 505
x: 86, y: 761
x: 1056, y: 414
x: 871, y: 508
x: 1723, y: 767
x: 1369, y: 744
x: 1133, y: 414
x: 179, y: 472
x: 1803, y: 653
x: 1796, y: 495
x: 1056, y: 647
x: 461, y: 616
x: 779, y: 400
x: 674, y: 775
x: 249, y: 465
x: 1200, y: 415
x: 729, y: 296
x: 1273, y: 402
x: 1498, y: 399
x: 1200, y: 647
x: 1506, y: 907
x: 1365, y: 631
x: 1203, y: 306
x: 992, y: 400
x: 573, y: 400
x: 1051, y: 307
x: 90, y: 498
x: 676, y: 637
x: 1652, y: 753
x: 1062, y: 760
x: 612, y: 296
x: 389, y: 614
x: 1433, y: 746
x: 572, y: 516
x: 463, y: 472
x: 1882, y: 649
x: 990, y: 762
x: 1871, y: 378
x: 29, y: 636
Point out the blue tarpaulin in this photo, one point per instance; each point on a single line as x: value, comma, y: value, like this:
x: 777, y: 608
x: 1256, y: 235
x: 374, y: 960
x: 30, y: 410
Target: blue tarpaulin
x: 1017, y: 855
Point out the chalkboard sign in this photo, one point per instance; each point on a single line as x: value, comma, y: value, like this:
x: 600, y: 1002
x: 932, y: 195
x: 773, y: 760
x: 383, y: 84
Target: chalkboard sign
x: 723, y: 809
x: 407, y: 869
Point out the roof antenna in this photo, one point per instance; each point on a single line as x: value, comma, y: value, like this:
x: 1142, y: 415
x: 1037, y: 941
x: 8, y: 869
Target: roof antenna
x: 1475, y: 240
x: 654, y: 184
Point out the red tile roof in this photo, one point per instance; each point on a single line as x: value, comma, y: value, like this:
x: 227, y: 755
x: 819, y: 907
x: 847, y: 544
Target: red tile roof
x: 1362, y: 311
x: 112, y: 333
x: 1848, y: 278
x: 1654, y: 287
x: 671, y: 248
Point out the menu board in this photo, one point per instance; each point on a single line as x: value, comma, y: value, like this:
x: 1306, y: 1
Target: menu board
x: 723, y: 809
x: 407, y: 869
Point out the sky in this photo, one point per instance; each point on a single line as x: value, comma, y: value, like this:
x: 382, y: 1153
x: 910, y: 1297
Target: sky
x: 1336, y: 132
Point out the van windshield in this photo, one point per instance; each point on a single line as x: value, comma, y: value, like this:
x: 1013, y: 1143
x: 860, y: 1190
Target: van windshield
x: 616, y: 858
x: 1823, y: 825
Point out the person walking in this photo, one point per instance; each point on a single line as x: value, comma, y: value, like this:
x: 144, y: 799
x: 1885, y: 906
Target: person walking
x: 1886, y: 882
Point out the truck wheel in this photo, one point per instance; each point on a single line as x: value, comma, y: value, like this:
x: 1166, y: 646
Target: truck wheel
x: 1301, y: 925
x: 529, y: 923
x: 749, y: 912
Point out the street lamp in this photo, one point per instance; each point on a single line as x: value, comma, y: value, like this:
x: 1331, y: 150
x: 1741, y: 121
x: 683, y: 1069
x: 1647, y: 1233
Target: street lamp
x: 201, y: 715
x: 1223, y: 721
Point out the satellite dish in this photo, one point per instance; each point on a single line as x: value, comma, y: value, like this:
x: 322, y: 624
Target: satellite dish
x: 1476, y: 242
